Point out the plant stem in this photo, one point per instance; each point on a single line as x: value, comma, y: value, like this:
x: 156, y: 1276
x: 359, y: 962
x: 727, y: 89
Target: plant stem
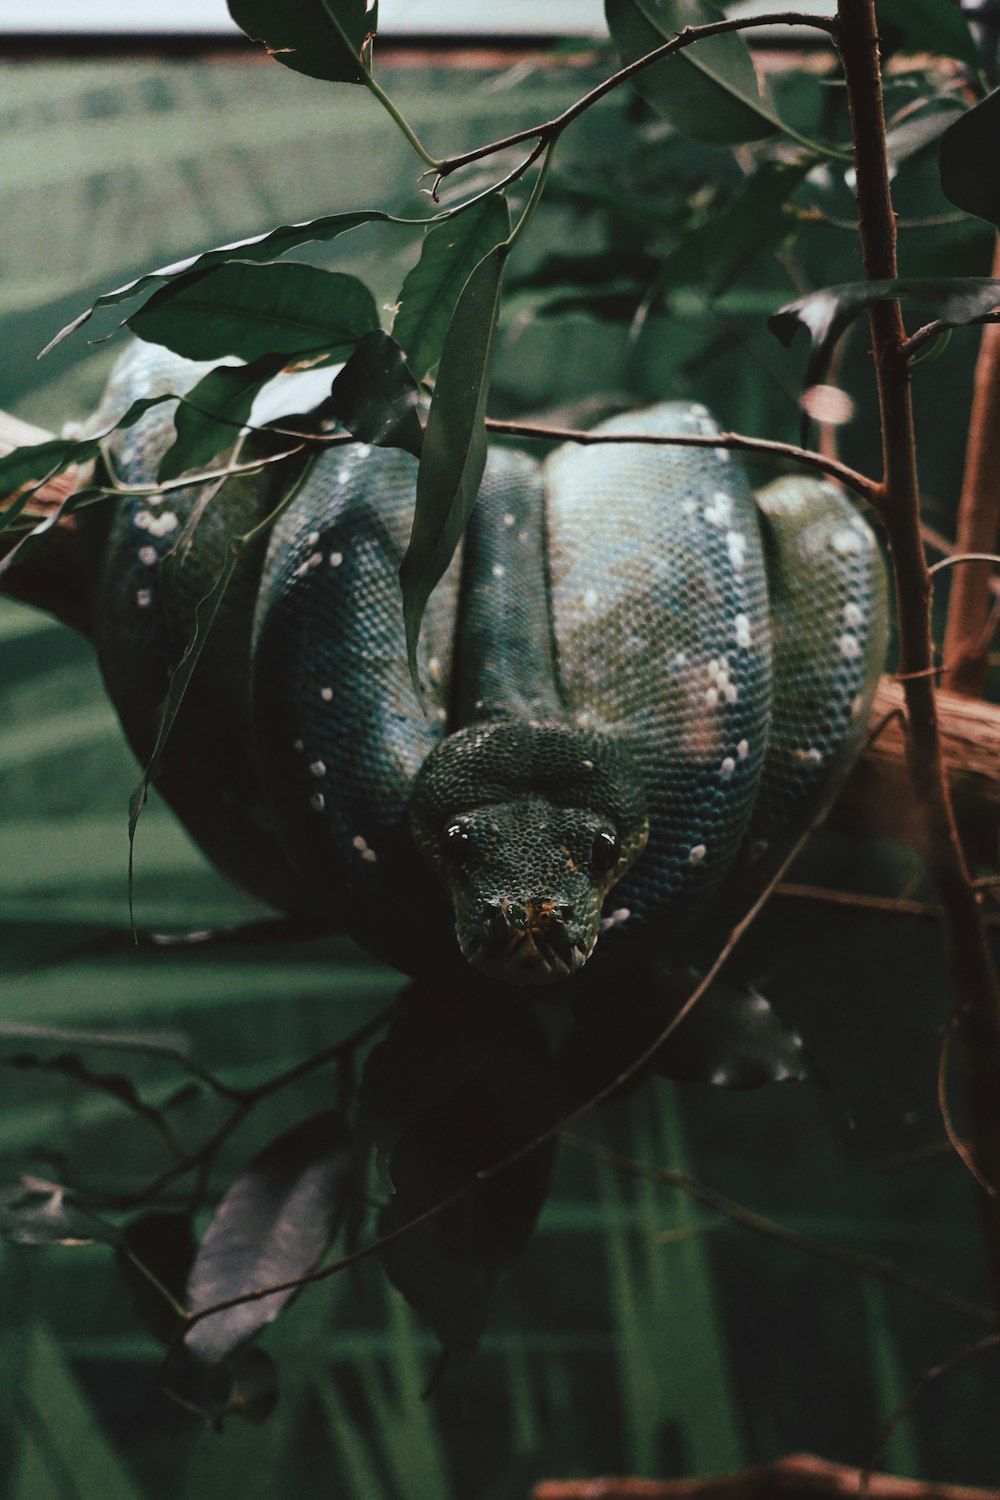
x: 966, y: 639
x: 977, y: 1001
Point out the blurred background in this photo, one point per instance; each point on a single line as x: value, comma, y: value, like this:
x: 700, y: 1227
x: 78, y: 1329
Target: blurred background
x: 639, y: 1332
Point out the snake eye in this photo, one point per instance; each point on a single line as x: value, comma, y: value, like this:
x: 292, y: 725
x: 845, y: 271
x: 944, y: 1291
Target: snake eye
x: 457, y: 843
x: 605, y: 853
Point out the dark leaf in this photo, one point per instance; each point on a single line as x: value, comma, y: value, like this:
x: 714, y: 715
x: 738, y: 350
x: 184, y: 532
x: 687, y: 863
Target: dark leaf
x: 164, y: 1244
x: 274, y: 1223
x: 245, y: 1384
x: 209, y: 417
x: 709, y: 91
x: 459, y: 1084
x: 34, y: 1212
x: 969, y: 151
x: 451, y: 251
x: 454, y: 448
x: 259, y: 247
x: 321, y: 38
x: 376, y: 398
x: 252, y: 310
x: 731, y: 1038
x: 954, y: 301
x: 936, y: 26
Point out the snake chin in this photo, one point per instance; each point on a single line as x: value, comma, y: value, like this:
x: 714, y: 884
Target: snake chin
x: 538, y: 950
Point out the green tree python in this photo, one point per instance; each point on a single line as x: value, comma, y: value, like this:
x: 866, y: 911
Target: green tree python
x: 640, y: 683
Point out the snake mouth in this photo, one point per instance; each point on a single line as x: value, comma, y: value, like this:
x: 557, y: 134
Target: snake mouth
x: 535, y: 950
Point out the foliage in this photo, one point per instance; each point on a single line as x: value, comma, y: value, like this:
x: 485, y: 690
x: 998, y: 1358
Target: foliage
x: 684, y: 247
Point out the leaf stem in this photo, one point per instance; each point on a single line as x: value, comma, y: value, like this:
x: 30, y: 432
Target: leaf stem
x: 431, y: 162
x: 535, y: 198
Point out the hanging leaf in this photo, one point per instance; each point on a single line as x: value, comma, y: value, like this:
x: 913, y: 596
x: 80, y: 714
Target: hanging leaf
x: 954, y: 300
x: 709, y: 91
x: 936, y: 26
x: 243, y: 1385
x: 322, y: 40
x: 451, y: 251
x: 969, y: 150
x: 259, y: 247
x: 454, y: 448
x: 376, y: 398
x: 252, y: 310
x: 732, y: 1037
x: 458, y: 1084
x: 35, y: 1212
x: 274, y: 1223
x: 164, y: 1244
x: 210, y: 415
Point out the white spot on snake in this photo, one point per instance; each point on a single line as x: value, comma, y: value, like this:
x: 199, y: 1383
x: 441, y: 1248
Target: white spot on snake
x: 728, y: 766
x: 730, y: 692
x: 312, y: 561
x: 441, y: 714
x: 722, y: 454
x: 155, y: 525
x: 743, y: 749
x: 857, y: 704
x: 317, y: 802
x: 689, y: 506
x: 144, y: 598
x: 298, y: 747
x: 369, y: 856
x: 615, y: 918
x: 697, y: 854
x: 361, y: 844
x: 810, y: 757
x: 849, y: 647
x: 712, y: 697
x: 590, y: 599
x: 343, y: 475
x: 148, y: 556
x: 588, y: 765
x: 680, y: 660
x: 852, y: 615
x: 737, y: 547
x: 847, y: 542
x: 741, y: 630
x: 698, y: 410
x: 509, y: 519
x: 318, y: 768
x: 498, y: 570
x: 719, y: 512
x: 336, y: 558
x: 434, y: 668
x: 362, y: 450
x: 313, y: 539
x: 326, y: 694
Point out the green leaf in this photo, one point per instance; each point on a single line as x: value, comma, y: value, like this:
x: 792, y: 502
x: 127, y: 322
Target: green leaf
x: 376, y: 398
x: 969, y: 150
x: 209, y: 417
x: 252, y: 310
x: 709, y: 91
x: 451, y: 251
x: 454, y: 449
x: 260, y: 247
x: 321, y: 38
x: 936, y: 26
x: 955, y: 301
x: 274, y: 1223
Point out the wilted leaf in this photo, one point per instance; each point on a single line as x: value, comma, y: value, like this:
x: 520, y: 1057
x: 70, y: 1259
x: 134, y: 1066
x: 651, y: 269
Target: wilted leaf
x: 969, y: 150
x: 936, y: 26
x: 210, y: 415
x: 376, y: 398
x: 954, y: 301
x: 251, y: 310
x: 35, y: 1212
x: 459, y: 1084
x: 321, y: 38
x: 245, y: 1384
x: 274, y: 1223
x: 709, y: 91
x: 164, y: 1244
x: 732, y: 1037
x: 451, y: 251
x: 454, y: 448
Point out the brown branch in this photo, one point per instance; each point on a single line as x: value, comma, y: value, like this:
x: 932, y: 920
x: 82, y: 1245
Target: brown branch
x: 966, y: 640
x: 798, y: 1475
x: 886, y: 906
x: 976, y: 994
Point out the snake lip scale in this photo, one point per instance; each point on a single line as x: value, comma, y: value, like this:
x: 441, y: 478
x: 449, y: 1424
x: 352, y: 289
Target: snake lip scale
x: 638, y: 676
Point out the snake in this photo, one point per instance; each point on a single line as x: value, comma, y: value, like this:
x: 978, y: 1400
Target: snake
x: 637, y: 683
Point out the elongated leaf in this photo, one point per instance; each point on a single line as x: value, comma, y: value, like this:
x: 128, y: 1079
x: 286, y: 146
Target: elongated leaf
x: 209, y: 417
x: 376, y: 398
x: 34, y: 1212
x: 935, y: 26
x: 274, y: 1223
x: 454, y: 450
x: 709, y: 91
x: 954, y: 301
x: 259, y: 247
x: 427, y: 300
x: 321, y: 38
x: 969, y: 151
x: 252, y: 310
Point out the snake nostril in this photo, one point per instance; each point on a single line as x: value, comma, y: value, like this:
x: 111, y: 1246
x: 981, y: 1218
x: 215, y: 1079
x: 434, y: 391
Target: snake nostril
x: 515, y: 915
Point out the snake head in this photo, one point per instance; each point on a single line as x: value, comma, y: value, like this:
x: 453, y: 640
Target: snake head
x: 529, y: 826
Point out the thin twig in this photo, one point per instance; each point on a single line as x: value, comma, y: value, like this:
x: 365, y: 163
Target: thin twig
x: 929, y: 1376
x: 893, y: 906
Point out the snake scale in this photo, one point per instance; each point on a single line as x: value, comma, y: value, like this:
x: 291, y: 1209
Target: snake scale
x: 640, y: 682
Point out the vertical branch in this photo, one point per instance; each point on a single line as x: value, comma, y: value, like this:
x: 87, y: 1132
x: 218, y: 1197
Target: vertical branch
x: 966, y: 643
x: 977, y: 999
